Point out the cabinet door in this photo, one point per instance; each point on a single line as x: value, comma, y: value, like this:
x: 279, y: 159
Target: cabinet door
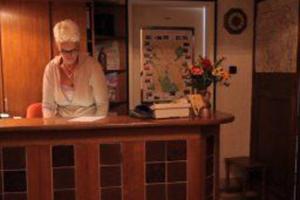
x: 75, y: 11
x: 13, y: 172
x: 25, y: 52
x: 274, y: 130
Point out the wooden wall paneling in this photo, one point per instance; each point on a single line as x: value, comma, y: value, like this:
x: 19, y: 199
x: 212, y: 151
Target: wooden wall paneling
x: 33, y: 171
x: 123, y: 54
x: 1, y: 70
x: 121, y: 93
x: 195, y: 171
x: 39, y: 172
x: 75, y: 11
x: 80, y: 170
x: 46, y: 190
x: 25, y: 52
x: 87, y: 171
x: 216, y: 165
x: 93, y: 171
x: 274, y: 130
x: 133, y: 161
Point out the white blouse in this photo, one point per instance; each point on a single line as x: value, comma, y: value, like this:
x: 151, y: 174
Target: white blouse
x: 90, y: 90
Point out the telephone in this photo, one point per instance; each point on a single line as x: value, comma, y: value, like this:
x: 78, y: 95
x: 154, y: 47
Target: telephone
x: 141, y: 111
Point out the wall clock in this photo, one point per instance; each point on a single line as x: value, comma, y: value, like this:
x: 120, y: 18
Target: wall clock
x: 235, y: 21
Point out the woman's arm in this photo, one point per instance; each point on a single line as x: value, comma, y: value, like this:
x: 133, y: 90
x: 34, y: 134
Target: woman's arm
x: 98, y: 83
x: 49, y: 105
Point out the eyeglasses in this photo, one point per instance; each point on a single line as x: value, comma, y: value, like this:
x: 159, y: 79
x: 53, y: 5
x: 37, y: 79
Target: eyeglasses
x: 69, y: 52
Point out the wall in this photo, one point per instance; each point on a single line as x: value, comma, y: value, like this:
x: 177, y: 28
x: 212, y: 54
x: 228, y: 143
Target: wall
x: 178, y: 14
x: 236, y: 99
x: 277, y: 21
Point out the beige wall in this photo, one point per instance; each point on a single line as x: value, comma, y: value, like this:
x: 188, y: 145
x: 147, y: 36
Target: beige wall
x: 277, y: 21
x: 236, y: 99
x: 176, y: 14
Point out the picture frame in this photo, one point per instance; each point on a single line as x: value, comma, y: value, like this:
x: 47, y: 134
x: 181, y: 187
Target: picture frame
x: 166, y: 55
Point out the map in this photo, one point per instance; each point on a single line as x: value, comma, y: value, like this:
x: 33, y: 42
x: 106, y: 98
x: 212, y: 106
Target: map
x: 166, y: 57
x: 276, y: 36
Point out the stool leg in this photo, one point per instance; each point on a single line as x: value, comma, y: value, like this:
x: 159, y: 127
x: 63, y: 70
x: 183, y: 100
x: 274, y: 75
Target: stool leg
x: 227, y: 179
x: 263, y: 195
x: 244, y: 185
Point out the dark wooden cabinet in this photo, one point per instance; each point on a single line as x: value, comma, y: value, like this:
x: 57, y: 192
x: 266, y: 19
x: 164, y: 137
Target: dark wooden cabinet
x: 13, y: 172
x: 274, y: 136
x: 274, y: 130
x: 111, y: 41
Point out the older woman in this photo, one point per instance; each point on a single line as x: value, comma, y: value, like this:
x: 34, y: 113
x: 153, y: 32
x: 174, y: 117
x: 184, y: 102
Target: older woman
x: 73, y: 84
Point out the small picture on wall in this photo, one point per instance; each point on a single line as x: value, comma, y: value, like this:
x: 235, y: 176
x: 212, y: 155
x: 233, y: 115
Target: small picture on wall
x: 166, y: 54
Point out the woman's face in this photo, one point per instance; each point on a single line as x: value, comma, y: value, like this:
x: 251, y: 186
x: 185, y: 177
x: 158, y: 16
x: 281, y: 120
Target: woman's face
x: 69, y: 52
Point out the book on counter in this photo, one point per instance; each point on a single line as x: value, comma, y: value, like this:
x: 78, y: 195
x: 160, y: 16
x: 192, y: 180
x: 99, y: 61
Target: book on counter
x: 180, y: 108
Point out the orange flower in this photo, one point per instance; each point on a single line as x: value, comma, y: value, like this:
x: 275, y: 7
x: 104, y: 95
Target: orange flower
x: 218, y: 71
x: 225, y: 75
x: 197, y: 71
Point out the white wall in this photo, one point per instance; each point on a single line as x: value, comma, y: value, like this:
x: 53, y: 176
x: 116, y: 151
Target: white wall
x: 159, y: 13
x: 238, y: 49
x: 236, y: 99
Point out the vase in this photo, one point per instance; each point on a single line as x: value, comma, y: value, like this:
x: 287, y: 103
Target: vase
x: 200, y: 103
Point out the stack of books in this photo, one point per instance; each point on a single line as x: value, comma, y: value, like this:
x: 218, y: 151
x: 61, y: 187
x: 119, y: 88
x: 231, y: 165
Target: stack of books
x: 171, y: 110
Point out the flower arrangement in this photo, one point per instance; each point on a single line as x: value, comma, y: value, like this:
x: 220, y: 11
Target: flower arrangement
x: 204, y: 73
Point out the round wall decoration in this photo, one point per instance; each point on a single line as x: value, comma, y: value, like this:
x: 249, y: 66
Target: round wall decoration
x: 235, y: 21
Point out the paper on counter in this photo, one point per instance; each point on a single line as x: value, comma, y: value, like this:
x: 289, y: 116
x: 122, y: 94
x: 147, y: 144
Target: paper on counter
x: 86, y: 119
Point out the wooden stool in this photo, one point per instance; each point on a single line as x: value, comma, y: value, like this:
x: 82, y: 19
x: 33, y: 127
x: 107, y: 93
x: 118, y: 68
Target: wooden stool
x: 247, y: 166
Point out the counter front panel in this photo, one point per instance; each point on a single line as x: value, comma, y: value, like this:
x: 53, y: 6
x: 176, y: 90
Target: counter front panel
x: 153, y: 160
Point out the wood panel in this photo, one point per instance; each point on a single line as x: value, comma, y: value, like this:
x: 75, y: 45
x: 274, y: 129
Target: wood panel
x: 195, y: 170
x: 183, y: 152
x: 80, y: 170
x: 75, y: 11
x: 87, y: 171
x: 274, y: 130
x: 46, y: 190
x: 134, y: 161
x: 1, y: 69
x: 39, y: 172
x: 216, y: 165
x: 112, y: 122
x: 33, y: 161
x: 25, y: 52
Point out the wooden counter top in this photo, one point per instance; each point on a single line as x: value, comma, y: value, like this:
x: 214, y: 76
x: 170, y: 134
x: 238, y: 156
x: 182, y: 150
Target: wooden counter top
x: 109, y: 122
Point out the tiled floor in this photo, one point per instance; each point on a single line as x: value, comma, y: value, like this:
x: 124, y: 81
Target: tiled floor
x: 230, y: 196
x: 238, y: 196
x: 234, y: 192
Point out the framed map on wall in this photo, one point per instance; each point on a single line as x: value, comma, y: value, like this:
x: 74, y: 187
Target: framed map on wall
x: 166, y: 55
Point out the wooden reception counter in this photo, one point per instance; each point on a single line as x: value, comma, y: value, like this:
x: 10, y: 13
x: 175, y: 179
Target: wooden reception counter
x: 110, y: 159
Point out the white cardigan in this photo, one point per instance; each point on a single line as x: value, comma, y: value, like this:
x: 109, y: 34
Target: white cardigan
x: 90, y: 90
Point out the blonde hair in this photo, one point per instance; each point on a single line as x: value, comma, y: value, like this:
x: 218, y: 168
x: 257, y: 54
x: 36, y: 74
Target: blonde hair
x: 66, y: 31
